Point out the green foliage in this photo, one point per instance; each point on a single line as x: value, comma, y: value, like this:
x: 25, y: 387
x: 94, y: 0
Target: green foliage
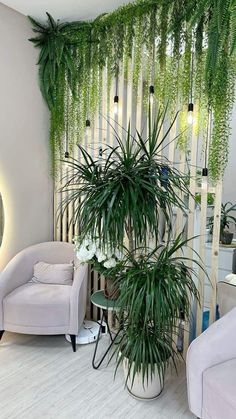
x: 226, y: 217
x: 120, y: 193
x: 189, y: 48
x: 55, y: 56
x: 220, y: 26
x: 156, y: 292
x: 210, y: 198
x: 73, y: 55
x: 137, y: 52
x: 120, y: 196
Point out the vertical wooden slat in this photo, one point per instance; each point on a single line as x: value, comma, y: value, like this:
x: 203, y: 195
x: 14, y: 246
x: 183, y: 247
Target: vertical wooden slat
x: 122, y: 101
x: 215, y: 250
x: 139, y: 104
x: 104, y: 110
x: 57, y: 218
x: 100, y: 135
x: 172, y: 143
x: 89, y: 293
x: 112, y: 117
x: 171, y: 155
x: 202, y: 252
x: 115, y: 91
x: 108, y: 108
x: 130, y: 94
x: 70, y: 214
x: 95, y: 288
x: 102, y: 282
x: 190, y: 233
x: 179, y: 221
x: 64, y: 195
x: 179, y: 216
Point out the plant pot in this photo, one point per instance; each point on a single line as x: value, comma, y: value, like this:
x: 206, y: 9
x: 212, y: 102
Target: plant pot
x: 226, y: 237
x: 209, y: 236
x: 111, y: 290
x: 149, y: 390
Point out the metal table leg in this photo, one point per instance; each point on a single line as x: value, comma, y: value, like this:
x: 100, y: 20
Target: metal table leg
x: 104, y: 316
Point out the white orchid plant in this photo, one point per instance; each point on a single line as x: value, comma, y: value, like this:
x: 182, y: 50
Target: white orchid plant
x: 103, y: 258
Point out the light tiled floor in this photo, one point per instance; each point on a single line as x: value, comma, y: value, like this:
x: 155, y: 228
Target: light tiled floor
x: 42, y: 378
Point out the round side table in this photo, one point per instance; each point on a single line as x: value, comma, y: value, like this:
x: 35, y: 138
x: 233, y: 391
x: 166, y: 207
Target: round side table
x: 99, y: 300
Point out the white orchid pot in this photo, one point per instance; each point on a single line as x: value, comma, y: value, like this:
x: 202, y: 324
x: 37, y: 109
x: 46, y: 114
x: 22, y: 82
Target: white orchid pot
x: 148, y: 390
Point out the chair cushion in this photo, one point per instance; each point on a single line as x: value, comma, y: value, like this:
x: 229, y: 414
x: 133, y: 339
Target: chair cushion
x: 219, y: 390
x: 38, y: 305
x: 47, y: 273
x: 230, y: 279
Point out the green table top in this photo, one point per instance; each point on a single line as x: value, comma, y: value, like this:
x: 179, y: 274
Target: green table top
x: 98, y: 299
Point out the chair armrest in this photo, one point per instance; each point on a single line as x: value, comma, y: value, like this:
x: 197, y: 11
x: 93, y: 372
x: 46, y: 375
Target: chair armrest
x: 214, y: 346
x: 78, y: 299
x: 17, y: 272
x: 226, y: 294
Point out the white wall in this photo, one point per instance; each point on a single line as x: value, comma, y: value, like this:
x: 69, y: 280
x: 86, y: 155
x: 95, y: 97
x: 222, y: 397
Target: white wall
x: 229, y: 185
x: 25, y: 181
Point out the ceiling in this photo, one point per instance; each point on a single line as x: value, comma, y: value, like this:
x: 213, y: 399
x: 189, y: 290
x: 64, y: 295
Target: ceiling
x: 64, y: 9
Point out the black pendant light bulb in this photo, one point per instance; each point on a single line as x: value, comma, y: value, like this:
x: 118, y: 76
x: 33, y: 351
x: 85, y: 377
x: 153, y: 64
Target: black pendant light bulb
x: 190, y: 117
x: 204, y: 178
x: 88, y: 126
x: 151, y: 94
x: 116, y: 104
x: 190, y: 113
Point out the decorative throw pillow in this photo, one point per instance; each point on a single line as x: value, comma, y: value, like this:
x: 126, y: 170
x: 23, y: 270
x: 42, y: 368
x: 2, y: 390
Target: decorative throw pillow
x: 46, y: 273
x: 231, y: 279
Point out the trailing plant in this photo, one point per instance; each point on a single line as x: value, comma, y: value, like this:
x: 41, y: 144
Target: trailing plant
x: 137, y: 52
x: 220, y: 28
x: 73, y: 55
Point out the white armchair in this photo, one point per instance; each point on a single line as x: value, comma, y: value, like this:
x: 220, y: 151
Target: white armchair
x: 42, y: 309
x: 211, y: 371
x: 226, y: 291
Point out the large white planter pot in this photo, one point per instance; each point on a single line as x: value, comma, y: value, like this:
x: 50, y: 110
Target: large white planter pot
x: 144, y: 391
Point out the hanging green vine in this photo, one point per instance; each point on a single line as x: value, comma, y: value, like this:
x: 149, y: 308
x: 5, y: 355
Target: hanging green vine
x: 73, y: 55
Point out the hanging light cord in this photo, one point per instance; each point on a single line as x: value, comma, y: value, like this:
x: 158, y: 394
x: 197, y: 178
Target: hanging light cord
x: 209, y: 129
x: 117, y: 72
x: 67, y: 127
x: 154, y: 62
x: 192, y: 70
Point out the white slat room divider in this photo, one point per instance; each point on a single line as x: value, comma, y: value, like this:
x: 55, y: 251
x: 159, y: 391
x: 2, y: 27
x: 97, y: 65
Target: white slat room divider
x: 132, y: 109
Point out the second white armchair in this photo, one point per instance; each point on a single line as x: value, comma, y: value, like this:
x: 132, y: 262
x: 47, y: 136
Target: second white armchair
x: 211, y: 371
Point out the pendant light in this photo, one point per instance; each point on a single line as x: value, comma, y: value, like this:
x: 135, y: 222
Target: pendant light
x: 190, y: 113
x: 116, y: 104
x: 116, y: 98
x: 151, y: 94
x: 87, y: 126
x: 204, y: 179
x: 190, y: 117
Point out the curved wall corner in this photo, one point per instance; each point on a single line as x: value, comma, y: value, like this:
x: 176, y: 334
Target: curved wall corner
x: 25, y: 182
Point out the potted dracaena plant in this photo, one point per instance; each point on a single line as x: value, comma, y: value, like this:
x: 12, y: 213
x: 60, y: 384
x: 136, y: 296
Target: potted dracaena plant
x: 155, y: 290
x: 119, y: 201
x: 226, y: 219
